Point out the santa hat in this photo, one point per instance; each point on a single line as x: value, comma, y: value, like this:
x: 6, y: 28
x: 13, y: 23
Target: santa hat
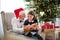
x: 17, y: 12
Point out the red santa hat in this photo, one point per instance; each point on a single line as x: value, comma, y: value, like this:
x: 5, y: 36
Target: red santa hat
x: 17, y: 12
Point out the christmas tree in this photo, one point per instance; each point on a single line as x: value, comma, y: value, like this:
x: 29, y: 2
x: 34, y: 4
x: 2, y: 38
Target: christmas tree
x: 49, y: 7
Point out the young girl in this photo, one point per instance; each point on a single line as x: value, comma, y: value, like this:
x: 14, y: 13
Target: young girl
x: 30, y: 22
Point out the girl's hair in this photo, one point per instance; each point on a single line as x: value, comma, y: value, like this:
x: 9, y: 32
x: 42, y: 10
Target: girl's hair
x: 32, y: 13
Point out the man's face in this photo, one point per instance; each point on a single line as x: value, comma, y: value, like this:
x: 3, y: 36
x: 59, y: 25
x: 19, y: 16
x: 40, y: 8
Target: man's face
x: 22, y: 16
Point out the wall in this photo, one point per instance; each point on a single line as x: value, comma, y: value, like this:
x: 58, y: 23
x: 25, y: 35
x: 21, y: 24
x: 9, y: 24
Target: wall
x: 57, y: 21
x: 11, y: 5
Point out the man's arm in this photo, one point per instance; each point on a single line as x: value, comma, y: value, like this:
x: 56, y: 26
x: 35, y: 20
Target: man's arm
x: 14, y: 24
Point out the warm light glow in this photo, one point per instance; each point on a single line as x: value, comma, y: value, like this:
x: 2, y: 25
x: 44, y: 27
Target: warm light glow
x: 41, y: 13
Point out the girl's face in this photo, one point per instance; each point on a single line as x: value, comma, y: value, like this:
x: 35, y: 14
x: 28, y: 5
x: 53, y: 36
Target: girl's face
x: 30, y: 17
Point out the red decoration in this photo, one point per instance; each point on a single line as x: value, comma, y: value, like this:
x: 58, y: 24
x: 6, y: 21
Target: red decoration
x: 49, y: 26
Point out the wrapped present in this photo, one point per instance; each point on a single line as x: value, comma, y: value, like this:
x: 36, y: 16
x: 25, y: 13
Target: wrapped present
x: 49, y: 26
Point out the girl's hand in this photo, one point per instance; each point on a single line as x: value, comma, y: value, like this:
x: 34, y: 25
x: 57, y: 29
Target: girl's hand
x: 22, y: 26
x: 27, y: 28
x: 28, y: 25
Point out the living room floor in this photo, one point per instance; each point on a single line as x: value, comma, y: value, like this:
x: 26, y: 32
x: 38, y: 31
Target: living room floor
x: 14, y: 36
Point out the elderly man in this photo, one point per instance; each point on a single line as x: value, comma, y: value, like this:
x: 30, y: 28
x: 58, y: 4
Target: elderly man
x: 18, y: 21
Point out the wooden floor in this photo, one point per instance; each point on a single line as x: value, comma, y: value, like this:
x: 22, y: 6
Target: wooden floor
x: 14, y: 36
